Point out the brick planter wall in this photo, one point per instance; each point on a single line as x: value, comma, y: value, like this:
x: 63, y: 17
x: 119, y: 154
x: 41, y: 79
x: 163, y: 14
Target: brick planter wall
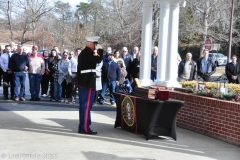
x: 216, y: 118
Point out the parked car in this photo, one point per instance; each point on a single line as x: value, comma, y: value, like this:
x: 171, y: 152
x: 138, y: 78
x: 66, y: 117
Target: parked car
x: 219, y: 59
x: 41, y: 51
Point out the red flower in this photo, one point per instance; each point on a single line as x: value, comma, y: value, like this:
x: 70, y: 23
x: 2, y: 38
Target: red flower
x: 237, y: 97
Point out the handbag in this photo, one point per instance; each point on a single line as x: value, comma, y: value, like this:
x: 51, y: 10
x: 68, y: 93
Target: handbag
x: 125, y: 87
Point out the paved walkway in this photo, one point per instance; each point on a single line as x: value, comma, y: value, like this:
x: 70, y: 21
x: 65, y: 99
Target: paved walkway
x: 54, y: 133
x: 48, y: 130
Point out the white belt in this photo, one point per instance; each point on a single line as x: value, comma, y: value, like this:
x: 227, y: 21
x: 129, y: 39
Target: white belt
x: 88, y: 70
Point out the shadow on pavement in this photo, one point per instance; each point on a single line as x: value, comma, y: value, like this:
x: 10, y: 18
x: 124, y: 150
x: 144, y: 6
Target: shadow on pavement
x: 106, y: 132
x: 46, y: 105
x: 93, y: 155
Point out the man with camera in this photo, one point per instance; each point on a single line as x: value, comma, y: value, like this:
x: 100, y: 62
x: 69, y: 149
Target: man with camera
x: 205, y: 66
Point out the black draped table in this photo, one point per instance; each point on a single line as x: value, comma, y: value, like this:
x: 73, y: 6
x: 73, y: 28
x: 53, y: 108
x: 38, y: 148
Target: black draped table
x: 147, y: 116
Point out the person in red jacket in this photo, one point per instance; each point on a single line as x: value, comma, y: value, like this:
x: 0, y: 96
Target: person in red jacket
x: 34, y: 49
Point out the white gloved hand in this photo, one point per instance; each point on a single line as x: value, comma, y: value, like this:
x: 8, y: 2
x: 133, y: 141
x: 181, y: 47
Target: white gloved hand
x: 98, y: 46
x: 95, y: 52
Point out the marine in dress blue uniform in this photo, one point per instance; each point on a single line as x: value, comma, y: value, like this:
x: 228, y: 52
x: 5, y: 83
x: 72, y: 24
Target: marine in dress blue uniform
x: 87, y: 61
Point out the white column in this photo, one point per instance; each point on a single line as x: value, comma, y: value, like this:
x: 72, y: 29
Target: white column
x: 162, y: 41
x: 172, y: 47
x: 146, y: 43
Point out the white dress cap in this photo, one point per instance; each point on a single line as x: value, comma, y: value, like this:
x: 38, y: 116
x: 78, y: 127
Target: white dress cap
x: 93, y: 39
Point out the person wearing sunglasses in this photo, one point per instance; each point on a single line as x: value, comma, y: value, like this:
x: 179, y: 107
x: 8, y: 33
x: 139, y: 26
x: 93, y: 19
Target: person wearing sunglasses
x: 205, y: 66
x: 71, y: 54
x: 127, y: 58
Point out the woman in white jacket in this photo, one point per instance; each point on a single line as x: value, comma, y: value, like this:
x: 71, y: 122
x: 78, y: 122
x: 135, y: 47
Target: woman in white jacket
x: 98, y: 79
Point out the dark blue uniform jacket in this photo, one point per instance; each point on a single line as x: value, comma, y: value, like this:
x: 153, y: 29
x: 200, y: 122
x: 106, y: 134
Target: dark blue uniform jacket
x: 86, y: 60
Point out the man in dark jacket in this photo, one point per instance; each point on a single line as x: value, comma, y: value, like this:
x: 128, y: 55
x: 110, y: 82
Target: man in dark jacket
x: 8, y: 80
x: 18, y: 66
x: 154, y: 63
x: 205, y: 66
x: 187, y: 69
x: 110, y: 78
x: 127, y: 58
x: 232, y: 70
x: 134, y: 53
x: 87, y: 61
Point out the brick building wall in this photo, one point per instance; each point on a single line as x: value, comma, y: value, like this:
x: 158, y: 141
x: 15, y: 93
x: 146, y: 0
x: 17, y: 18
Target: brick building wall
x: 216, y: 118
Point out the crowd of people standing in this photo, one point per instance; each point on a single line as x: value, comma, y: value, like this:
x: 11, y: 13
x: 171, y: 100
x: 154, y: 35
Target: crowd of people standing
x: 205, y: 67
x: 60, y: 71
x: 57, y: 68
x: 90, y: 72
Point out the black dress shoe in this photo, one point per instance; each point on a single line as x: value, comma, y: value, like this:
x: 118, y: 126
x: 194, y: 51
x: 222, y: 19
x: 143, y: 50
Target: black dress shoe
x: 32, y: 99
x: 91, y: 132
x: 5, y: 98
x: 37, y: 99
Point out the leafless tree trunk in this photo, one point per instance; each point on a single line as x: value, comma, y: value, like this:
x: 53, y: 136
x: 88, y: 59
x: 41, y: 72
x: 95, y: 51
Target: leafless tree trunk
x: 24, y: 32
x: 156, y: 14
x: 118, y: 6
x: 208, y: 13
x: 33, y: 10
x: 9, y: 11
x: 117, y: 22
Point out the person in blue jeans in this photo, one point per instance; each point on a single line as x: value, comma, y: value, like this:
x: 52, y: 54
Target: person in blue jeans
x: 17, y: 65
x: 86, y: 82
x: 19, y: 80
x: 45, y: 76
x: 35, y: 72
x: 57, y: 95
x: 111, y: 74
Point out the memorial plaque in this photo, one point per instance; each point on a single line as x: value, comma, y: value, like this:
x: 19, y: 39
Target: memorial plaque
x: 148, y: 92
x: 145, y: 92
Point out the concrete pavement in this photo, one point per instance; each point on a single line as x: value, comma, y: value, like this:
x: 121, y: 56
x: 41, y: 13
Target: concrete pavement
x: 54, y: 134
x: 48, y: 130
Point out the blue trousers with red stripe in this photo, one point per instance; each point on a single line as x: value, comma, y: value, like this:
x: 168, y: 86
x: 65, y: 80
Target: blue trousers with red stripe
x: 86, y: 98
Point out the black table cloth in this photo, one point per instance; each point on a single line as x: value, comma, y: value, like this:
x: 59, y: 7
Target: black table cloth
x: 147, y: 116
